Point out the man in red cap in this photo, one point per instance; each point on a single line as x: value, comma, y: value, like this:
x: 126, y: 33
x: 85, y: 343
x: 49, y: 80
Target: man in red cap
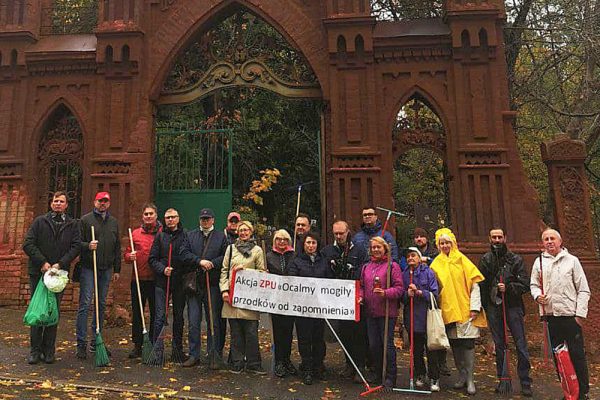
x: 108, y: 258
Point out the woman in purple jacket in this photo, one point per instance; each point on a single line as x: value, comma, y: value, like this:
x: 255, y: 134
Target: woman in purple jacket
x: 375, y: 293
x: 424, y: 284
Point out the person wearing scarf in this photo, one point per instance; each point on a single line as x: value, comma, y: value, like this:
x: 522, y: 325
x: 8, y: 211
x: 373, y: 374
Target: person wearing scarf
x: 460, y: 302
x: 243, y: 324
x: 375, y: 293
x: 311, y: 342
x: 278, y: 262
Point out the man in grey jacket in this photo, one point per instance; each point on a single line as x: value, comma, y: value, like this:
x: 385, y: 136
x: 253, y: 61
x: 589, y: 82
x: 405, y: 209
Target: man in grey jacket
x: 562, y: 291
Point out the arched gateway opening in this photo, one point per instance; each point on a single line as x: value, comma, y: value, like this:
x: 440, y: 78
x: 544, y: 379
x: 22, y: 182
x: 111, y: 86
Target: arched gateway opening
x: 421, y: 184
x: 238, y: 100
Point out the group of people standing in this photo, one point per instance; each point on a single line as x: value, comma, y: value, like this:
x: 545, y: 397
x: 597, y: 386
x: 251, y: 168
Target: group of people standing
x: 199, y: 265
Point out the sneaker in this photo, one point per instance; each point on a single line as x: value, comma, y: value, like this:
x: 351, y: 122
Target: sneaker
x: 290, y: 368
x: 526, y: 391
x: 236, y: 369
x: 420, y: 382
x: 258, y: 370
x: 81, y: 353
x: 280, y: 370
x: 435, y: 385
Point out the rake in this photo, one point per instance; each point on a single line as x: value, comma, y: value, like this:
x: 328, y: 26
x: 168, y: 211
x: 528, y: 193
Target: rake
x: 157, y: 356
x: 101, y: 354
x: 146, y: 344
x: 505, y: 386
x: 411, y: 385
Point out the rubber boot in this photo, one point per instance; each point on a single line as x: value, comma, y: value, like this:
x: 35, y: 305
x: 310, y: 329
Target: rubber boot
x: 459, y: 362
x: 469, y: 362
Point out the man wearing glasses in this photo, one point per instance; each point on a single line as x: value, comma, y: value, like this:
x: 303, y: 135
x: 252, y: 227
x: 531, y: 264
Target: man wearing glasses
x: 171, y: 237
x: 108, y: 256
x: 204, y: 249
x: 371, y: 227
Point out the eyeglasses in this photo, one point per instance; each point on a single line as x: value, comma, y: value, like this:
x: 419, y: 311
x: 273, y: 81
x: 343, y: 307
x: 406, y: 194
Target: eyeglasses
x: 368, y: 214
x: 171, y: 216
x: 282, y: 239
x: 103, y: 201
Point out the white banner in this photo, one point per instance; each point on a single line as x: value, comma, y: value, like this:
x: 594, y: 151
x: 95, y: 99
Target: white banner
x: 293, y: 295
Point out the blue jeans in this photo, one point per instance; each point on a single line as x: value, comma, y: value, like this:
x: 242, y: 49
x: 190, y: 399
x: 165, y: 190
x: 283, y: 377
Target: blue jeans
x: 160, y: 300
x: 195, y: 306
x: 514, y: 320
x: 86, y: 294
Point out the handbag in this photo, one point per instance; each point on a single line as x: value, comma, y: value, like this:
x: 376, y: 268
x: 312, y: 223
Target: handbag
x: 43, y: 307
x: 436, y: 331
x: 190, y: 279
x: 566, y: 371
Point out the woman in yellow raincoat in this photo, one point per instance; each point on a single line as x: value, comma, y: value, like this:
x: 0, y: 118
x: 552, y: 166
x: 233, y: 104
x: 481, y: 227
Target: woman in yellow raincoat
x: 460, y: 302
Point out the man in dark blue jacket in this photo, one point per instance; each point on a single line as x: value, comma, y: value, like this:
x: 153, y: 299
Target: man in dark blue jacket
x: 346, y: 260
x: 53, y: 241
x: 370, y: 227
x: 170, y: 239
x: 107, y: 245
x: 204, y: 249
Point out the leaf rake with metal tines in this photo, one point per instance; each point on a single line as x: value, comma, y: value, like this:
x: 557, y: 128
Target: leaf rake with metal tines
x: 157, y: 355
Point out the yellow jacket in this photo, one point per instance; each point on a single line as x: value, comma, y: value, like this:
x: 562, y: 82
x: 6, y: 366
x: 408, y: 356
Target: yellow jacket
x: 456, y: 274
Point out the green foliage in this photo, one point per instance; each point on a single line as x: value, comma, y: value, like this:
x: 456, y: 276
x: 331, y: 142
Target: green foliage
x: 73, y: 16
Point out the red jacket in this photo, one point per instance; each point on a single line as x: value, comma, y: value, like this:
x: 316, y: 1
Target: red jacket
x: 142, y: 241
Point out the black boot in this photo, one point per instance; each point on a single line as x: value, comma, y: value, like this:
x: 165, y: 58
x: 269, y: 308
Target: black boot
x: 136, y: 352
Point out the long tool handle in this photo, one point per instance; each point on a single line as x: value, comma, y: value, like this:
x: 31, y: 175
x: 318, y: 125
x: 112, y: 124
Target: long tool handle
x: 544, y: 321
x: 347, y: 354
x: 386, y: 321
x: 137, y: 283
x: 412, y: 334
x: 504, y: 324
x: 95, y: 282
x: 210, y: 310
x: 168, y: 285
x: 385, y: 225
x: 297, y: 212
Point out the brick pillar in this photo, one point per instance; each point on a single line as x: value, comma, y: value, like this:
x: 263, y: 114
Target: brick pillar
x: 569, y: 193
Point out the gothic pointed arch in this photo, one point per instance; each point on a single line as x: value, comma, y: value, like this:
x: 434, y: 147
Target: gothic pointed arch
x: 239, y: 49
x: 418, y: 124
x: 60, y: 153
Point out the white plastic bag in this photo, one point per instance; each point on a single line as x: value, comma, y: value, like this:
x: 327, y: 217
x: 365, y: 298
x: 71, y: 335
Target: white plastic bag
x: 56, y: 280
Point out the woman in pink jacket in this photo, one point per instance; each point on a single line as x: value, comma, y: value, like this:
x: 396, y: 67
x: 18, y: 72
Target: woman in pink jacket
x: 375, y: 293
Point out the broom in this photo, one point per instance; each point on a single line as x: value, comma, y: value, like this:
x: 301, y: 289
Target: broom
x: 157, y: 356
x: 101, y: 355
x: 146, y: 345
x: 505, y: 385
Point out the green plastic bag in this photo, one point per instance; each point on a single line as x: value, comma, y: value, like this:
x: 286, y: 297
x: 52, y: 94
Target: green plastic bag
x: 43, y: 308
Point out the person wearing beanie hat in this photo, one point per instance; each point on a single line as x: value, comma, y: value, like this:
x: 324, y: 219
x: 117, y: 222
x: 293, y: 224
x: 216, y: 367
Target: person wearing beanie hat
x: 424, y: 284
x: 421, y: 241
x: 460, y: 302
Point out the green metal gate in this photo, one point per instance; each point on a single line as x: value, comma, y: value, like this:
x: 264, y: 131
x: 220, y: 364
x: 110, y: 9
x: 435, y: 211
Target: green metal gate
x: 194, y: 171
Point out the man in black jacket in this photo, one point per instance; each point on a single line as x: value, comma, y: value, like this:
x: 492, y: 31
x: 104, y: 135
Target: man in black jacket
x: 53, y: 241
x: 204, y: 249
x: 346, y: 261
x: 505, y: 275
x: 171, y: 240
x: 107, y: 245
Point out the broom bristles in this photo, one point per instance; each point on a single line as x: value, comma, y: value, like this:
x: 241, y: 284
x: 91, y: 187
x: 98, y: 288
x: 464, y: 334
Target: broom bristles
x: 505, y: 385
x: 101, y: 355
x: 146, y: 348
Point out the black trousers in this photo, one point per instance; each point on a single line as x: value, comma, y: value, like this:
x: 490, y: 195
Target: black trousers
x: 566, y: 329
x: 311, y: 343
x: 420, y: 349
x: 244, y: 343
x: 147, y: 292
x: 354, y: 337
x: 283, y: 331
x: 42, y: 339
